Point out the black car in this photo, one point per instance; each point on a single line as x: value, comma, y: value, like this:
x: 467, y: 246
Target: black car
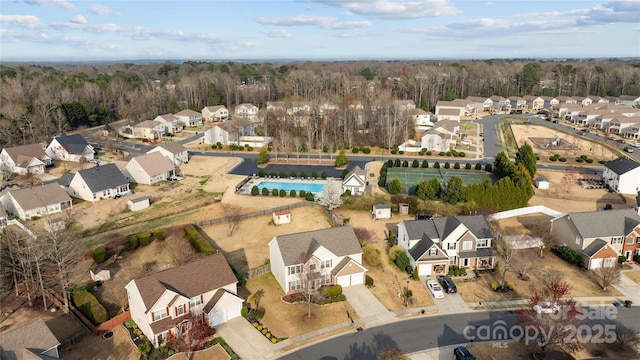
x: 462, y: 353
x: 447, y: 284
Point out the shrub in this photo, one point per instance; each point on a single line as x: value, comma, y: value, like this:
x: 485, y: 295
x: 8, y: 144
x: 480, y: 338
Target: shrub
x: 510, y: 285
x: 402, y: 261
x: 265, y: 192
x: 447, y: 165
x: 274, y: 192
x: 347, y: 192
x: 324, y: 175
x: 467, y: 166
x: 325, y: 149
x: 314, y: 174
x: 99, y: 255
x: 415, y: 274
x: 494, y: 286
x: 394, y: 151
x: 333, y: 290
x: 292, y: 193
x: 401, y: 152
x: 303, y: 174
x: 293, y: 174
x: 89, y: 306
x: 309, y: 197
x: 129, y: 324
x: 198, y: 241
x: 272, y: 174
x: 415, y: 163
x: 145, y: 347
x: 462, y: 154
x: 254, y: 190
x: 283, y: 192
x: 341, y: 159
x: 368, y: 280
x: 429, y: 153
x: 159, y: 234
x: 354, y: 150
x: 570, y: 255
x: 133, y: 242
x: 488, y: 168
x: 622, y: 259
x: 441, y: 153
x: 425, y: 164
x: 366, y: 151
x: 562, y: 159
x: 405, y: 163
x: 579, y: 160
x: 553, y: 158
x: 303, y: 193
x: 589, y: 161
x: 145, y: 238
x: 282, y: 174
x: 448, y: 153
x: 244, y: 312
x: 478, y: 166
x: 394, y: 251
x: 382, y: 180
x: 436, y: 165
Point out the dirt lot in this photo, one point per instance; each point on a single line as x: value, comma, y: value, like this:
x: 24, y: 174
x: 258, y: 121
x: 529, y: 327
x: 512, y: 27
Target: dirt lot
x: 594, y: 150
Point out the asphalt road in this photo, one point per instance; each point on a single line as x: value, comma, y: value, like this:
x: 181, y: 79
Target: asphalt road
x: 418, y: 334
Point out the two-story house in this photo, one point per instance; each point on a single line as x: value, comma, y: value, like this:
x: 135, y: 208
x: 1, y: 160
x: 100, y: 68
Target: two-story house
x: 171, y: 123
x: 311, y: 259
x: 31, y: 341
x: 99, y: 182
x: 149, y: 129
x: 534, y: 103
x: 246, y: 111
x: 175, y: 152
x: 480, y: 103
x: 215, y: 113
x: 599, y: 244
x: 206, y: 288
x: 36, y: 201
x: 435, y: 244
x: 622, y: 175
x: 24, y: 159
x: 189, y: 117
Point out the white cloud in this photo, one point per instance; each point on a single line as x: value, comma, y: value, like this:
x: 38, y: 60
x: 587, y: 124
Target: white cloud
x: 24, y: 21
x: 102, y: 10
x: 385, y: 9
x: 59, y: 3
x: 78, y: 19
x: 324, y: 22
x: 278, y: 33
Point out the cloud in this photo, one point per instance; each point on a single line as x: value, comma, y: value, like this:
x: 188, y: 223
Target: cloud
x: 612, y: 12
x: 324, y: 22
x: 93, y: 28
x: 23, y: 21
x: 78, y: 19
x: 385, y: 9
x: 349, y: 25
x: 102, y: 10
x: 278, y: 33
x: 59, y: 3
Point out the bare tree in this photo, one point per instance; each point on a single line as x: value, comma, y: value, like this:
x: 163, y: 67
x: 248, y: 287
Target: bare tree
x: 508, y: 254
x: 233, y: 214
x: 607, y: 276
x: 522, y: 265
x: 310, y: 278
x: 63, y: 250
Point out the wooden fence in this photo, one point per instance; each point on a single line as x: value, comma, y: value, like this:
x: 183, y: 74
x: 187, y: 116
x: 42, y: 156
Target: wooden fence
x: 224, y: 219
x: 113, y: 322
x: 612, y: 200
x: 262, y: 269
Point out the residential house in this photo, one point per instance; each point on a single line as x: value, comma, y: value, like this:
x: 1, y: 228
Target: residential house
x: 281, y: 217
x: 404, y: 105
x: 24, y: 159
x: 518, y: 103
x: 435, y: 244
x: 622, y: 175
x: 566, y: 100
x: 599, y: 245
x: 36, y: 201
x: 246, y: 111
x: 231, y: 132
x: 149, y: 169
x: 31, y: 341
x: 160, y: 302
x: 550, y: 101
x: 381, y: 211
x: 175, y: 152
x: 99, y: 182
x: 500, y: 103
x: 631, y: 101
x: 332, y: 255
x: 583, y: 101
x: 218, y: 134
x: 421, y: 118
x: 442, y: 136
x: 534, y: 103
x: 613, y: 100
x: 171, y: 124
x: 189, y: 117
x: 215, y: 113
x: 631, y: 132
x: 149, y: 129
x: 355, y: 181
x: 480, y: 103
x: 451, y: 110
x: 620, y: 124
x: 69, y: 148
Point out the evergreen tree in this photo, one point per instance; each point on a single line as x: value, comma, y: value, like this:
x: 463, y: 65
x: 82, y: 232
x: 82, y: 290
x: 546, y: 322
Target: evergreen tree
x: 502, y: 164
x: 526, y: 157
x: 454, y: 191
x: 395, y: 186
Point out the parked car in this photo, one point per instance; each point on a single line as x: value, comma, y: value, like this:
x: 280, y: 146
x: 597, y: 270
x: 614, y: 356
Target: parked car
x: 546, y: 307
x: 628, y: 149
x: 482, y: 134
x: 542, y: 112
x: 435, y: 289
x: 635, y: 145
x: 462, y: 353
x: 447, y: 284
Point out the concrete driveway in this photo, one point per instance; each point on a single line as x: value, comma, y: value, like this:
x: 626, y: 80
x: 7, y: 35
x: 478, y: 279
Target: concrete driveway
x: 367, y: 306
x: 450, y: 303
x: 245, y: 340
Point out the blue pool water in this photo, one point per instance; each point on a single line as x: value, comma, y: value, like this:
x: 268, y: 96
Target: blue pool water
x: 288, y: 186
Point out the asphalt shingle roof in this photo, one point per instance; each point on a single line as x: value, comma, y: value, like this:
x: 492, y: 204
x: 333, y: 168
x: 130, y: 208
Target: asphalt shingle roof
x: 341, y: 241
x: 605, y: 223
x: 174, y: 147
x: 33, y: 336
x: 594, y: 247
x: 22, y: 155
x: 102, y: 177
x: 40, y: 195
x: 421, y: 247
x: 74, y: 144
x: 621, y: 165
x: 154, y: 163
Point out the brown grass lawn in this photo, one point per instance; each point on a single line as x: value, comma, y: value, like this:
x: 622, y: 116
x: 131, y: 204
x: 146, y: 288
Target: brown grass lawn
x: 517, y: 350
x: 633, y: 275
x: 583, y: 283
x: 514, y: 351
x: 287, y: 320
x: 532, y: 224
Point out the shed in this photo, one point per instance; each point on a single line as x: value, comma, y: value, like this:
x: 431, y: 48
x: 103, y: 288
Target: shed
x: 542, y: 183
x: 281, y: 217
x: 100, y: 273
x: 381, y: 211
x: 138, y: 203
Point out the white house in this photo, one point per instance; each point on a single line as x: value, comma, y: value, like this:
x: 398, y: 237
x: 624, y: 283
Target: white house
x: 148, y: 169
x: 217, y: 134
x: 421, y: 118
x: 138, y: 204
x: 215, y: 113
x: 24, y: 159
x: 622, y: 175
x: 442, y: 136
x: 160, y: 302
x: 550, y: 101
x: 246, y: 110
x: 175, y: 152
x: 171, y: 123
x: 629, y: 100
x: 355, y: 181
x: 534, y: 102
x: 149, y: 129
x: 381, y: 211
x: 189, y: 117
x: 99, y: 182
x: 479, y: 103
x: 33, y: 340
x: 281, y: 217
x: 434, y: 244
x: 333, y: 255
x: 451, y: 110
x: 36, y: 201
x: 69, y: 148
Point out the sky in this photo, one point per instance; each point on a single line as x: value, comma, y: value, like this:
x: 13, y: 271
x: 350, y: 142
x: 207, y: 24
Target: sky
x: 65, y: 30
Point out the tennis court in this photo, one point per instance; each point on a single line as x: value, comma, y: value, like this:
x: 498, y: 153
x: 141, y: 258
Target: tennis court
x: 410, y: 177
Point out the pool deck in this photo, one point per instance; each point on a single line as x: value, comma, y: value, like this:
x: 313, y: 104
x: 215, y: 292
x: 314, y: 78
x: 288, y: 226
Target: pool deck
x: 246, y: 188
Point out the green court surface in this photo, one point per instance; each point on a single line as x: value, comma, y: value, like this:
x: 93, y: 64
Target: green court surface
x: 410, y: 177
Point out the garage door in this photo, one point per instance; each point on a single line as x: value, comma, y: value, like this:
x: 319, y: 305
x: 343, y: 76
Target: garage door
x: 424, y: 269
x: 596, y: 263
x: 344, y: 280
x: 357, y: 279
x: 216, y: 318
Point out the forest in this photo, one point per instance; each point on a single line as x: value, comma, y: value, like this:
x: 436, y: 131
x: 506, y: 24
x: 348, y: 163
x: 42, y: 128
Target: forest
x: 40, y: 101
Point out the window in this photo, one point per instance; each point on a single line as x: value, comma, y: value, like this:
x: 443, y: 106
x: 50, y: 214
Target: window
x: 467, y: 245
x: 295, y: 269
x: 482, y: 243
x: 638, y: 239
x: 616, y: 240
x: 630, y: 240
x: 312, y: 267
x: 325, y: 264
x: 325, y: 280
x: 195, y: 301
x: 578, y: 239
x: 433, y: 251
x: 451, y: 246
x: 160, y: 314
x: 180, y: 310
x: 295, y: 285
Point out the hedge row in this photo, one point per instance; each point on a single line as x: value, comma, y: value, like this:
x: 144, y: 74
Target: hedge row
x: 264, y: 331
x: 198, y: 241
x: 89, y: 306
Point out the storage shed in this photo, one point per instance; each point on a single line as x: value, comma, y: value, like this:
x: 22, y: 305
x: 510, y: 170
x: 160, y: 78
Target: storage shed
x: 138, y: 203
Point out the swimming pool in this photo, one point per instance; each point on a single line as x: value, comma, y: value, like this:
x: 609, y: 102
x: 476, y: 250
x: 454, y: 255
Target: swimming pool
x: 288, y: 186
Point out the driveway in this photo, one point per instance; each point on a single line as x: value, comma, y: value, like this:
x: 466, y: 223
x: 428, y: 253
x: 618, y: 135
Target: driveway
x: 450, y: 303
x: 246, y: 341
x: 367, y: 306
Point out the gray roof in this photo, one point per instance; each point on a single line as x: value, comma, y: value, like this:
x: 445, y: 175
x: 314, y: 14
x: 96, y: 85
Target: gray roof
x: 174, y: 147
x: 341, y: 241
x: 423, y: 245
x: 481, y: 252
x: 381, y: 206
x: 621, y: 165
x: 73, y: 144
x: 140, y: 199
x: 441, y: 227
x: 605, y: 223
x: 40, y: 195
x: 65, y: 179
x: 33, y: 336
x: 594, y: 247
x: 102, y: 177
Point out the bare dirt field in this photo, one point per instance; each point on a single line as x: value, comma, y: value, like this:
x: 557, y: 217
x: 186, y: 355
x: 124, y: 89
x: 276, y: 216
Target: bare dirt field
x: 533, y: 224
x: 579, y: 145
x: 93, y: 347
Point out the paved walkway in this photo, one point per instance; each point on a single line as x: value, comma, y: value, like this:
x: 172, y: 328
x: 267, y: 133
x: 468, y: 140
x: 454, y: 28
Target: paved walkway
x: 246, y: 341
x: 370, y: 310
